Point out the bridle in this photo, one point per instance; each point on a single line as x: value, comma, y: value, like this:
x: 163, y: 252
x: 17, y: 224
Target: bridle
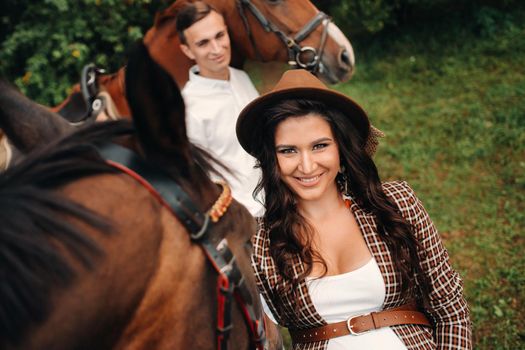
x: 296, y: 52
x: 230, y: 282
x: 83, y: 107
x: 95, y: 104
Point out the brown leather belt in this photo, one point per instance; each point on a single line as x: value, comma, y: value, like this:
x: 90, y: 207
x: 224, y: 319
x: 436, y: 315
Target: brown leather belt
x: 357, y: 325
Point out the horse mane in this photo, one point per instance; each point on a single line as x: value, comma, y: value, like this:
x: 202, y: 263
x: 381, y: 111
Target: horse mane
x: 34, y: 237
x: 159, y: 117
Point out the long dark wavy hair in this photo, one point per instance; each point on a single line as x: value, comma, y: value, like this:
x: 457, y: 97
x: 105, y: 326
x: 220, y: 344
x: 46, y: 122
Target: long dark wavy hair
x: 290, y: 233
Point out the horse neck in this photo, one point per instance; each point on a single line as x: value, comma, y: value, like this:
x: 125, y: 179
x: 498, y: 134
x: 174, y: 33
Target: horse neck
x: 179, y: 304
x: 179, y: 308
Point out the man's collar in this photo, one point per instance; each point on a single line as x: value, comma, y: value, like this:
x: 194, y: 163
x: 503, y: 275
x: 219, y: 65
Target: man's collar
x: 195, y: 78
x: 195, y: 71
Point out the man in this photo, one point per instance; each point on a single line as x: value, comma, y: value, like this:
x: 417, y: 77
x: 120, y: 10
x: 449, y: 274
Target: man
x: 214, y: 96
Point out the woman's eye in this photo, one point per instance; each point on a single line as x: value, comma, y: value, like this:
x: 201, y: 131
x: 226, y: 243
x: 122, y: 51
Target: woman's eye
x: 286, y: 150
x: 320, y: 146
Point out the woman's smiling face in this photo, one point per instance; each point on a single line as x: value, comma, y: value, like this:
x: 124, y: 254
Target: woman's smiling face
x: 308, y: 156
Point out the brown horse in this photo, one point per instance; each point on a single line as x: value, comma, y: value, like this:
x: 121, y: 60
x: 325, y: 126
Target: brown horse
x: 92, y: 260
x: 291, y: 31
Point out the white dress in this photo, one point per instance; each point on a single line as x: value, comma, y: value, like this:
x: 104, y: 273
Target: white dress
x: 354, y: 293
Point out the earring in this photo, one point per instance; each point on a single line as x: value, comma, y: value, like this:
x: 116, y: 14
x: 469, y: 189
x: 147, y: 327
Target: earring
x: 344, y: 185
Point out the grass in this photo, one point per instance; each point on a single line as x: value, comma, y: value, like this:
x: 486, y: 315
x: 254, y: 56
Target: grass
x: 453, y: 107
x: 451, y: 99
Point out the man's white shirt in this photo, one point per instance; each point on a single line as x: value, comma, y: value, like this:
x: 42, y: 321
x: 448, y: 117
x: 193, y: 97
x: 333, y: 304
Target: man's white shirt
x: 212, y: 108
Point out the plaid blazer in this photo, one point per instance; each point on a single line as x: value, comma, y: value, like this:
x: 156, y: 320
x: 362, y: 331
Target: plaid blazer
x: 448, y: 312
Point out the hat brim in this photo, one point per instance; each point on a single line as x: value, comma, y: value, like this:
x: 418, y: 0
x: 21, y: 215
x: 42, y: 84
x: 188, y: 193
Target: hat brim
x: 251, y: 120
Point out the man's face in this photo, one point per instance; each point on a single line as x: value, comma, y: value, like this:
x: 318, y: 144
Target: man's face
x: 208, y: 43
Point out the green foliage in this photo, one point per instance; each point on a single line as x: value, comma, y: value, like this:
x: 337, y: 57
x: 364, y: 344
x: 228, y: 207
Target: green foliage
x: 45, y: 44
x: 365, y: 17
x: 451, y: 99
x: 371, y: 14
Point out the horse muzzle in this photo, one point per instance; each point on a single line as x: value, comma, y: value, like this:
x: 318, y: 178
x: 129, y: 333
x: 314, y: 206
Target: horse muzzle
x: 339, y: 67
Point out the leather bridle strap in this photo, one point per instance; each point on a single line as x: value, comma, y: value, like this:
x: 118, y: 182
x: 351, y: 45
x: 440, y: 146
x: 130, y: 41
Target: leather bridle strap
x: 89, y: 89
x: 230, y: 282
x: 261, y: 19
x: 318, y: 55
x: 292, y: 44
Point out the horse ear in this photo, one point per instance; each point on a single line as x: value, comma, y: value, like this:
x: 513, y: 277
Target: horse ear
x: 27, y: 124
x: 167, y: 15
x: 157, y: 108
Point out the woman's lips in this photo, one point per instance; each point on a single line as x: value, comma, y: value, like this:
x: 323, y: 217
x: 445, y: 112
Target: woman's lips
x: 308, y: 181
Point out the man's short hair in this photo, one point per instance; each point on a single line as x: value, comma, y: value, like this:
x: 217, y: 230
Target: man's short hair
x: 190, y: 13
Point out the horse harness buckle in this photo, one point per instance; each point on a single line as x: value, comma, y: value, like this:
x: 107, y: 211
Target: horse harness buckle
x: 89, y: 88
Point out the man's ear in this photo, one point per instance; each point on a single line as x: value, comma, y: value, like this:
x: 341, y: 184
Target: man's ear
x: 186, y: 50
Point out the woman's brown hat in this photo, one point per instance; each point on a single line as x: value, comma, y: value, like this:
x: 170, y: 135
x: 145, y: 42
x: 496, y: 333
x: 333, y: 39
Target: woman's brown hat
x: 299, y: 83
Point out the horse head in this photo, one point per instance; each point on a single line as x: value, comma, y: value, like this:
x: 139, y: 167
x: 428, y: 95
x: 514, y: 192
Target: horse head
x: 296, y: 32
x: 291, y: 31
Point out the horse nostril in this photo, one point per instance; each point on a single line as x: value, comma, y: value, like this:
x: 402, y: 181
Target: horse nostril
x: 345, y: 58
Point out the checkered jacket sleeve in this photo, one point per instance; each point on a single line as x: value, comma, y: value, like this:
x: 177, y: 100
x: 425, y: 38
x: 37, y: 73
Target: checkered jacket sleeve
x: 448, y: 308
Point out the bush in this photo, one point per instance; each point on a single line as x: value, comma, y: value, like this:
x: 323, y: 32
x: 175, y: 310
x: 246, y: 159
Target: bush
x: 365, y: 17
x: 45, y: 44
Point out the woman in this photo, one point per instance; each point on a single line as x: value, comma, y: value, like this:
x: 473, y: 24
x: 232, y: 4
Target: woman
x: 338, y: 253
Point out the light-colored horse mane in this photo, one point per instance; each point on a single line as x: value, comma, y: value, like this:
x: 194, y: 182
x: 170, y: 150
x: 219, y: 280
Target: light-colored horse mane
x: 110, y: 108
x: 5, y: 152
